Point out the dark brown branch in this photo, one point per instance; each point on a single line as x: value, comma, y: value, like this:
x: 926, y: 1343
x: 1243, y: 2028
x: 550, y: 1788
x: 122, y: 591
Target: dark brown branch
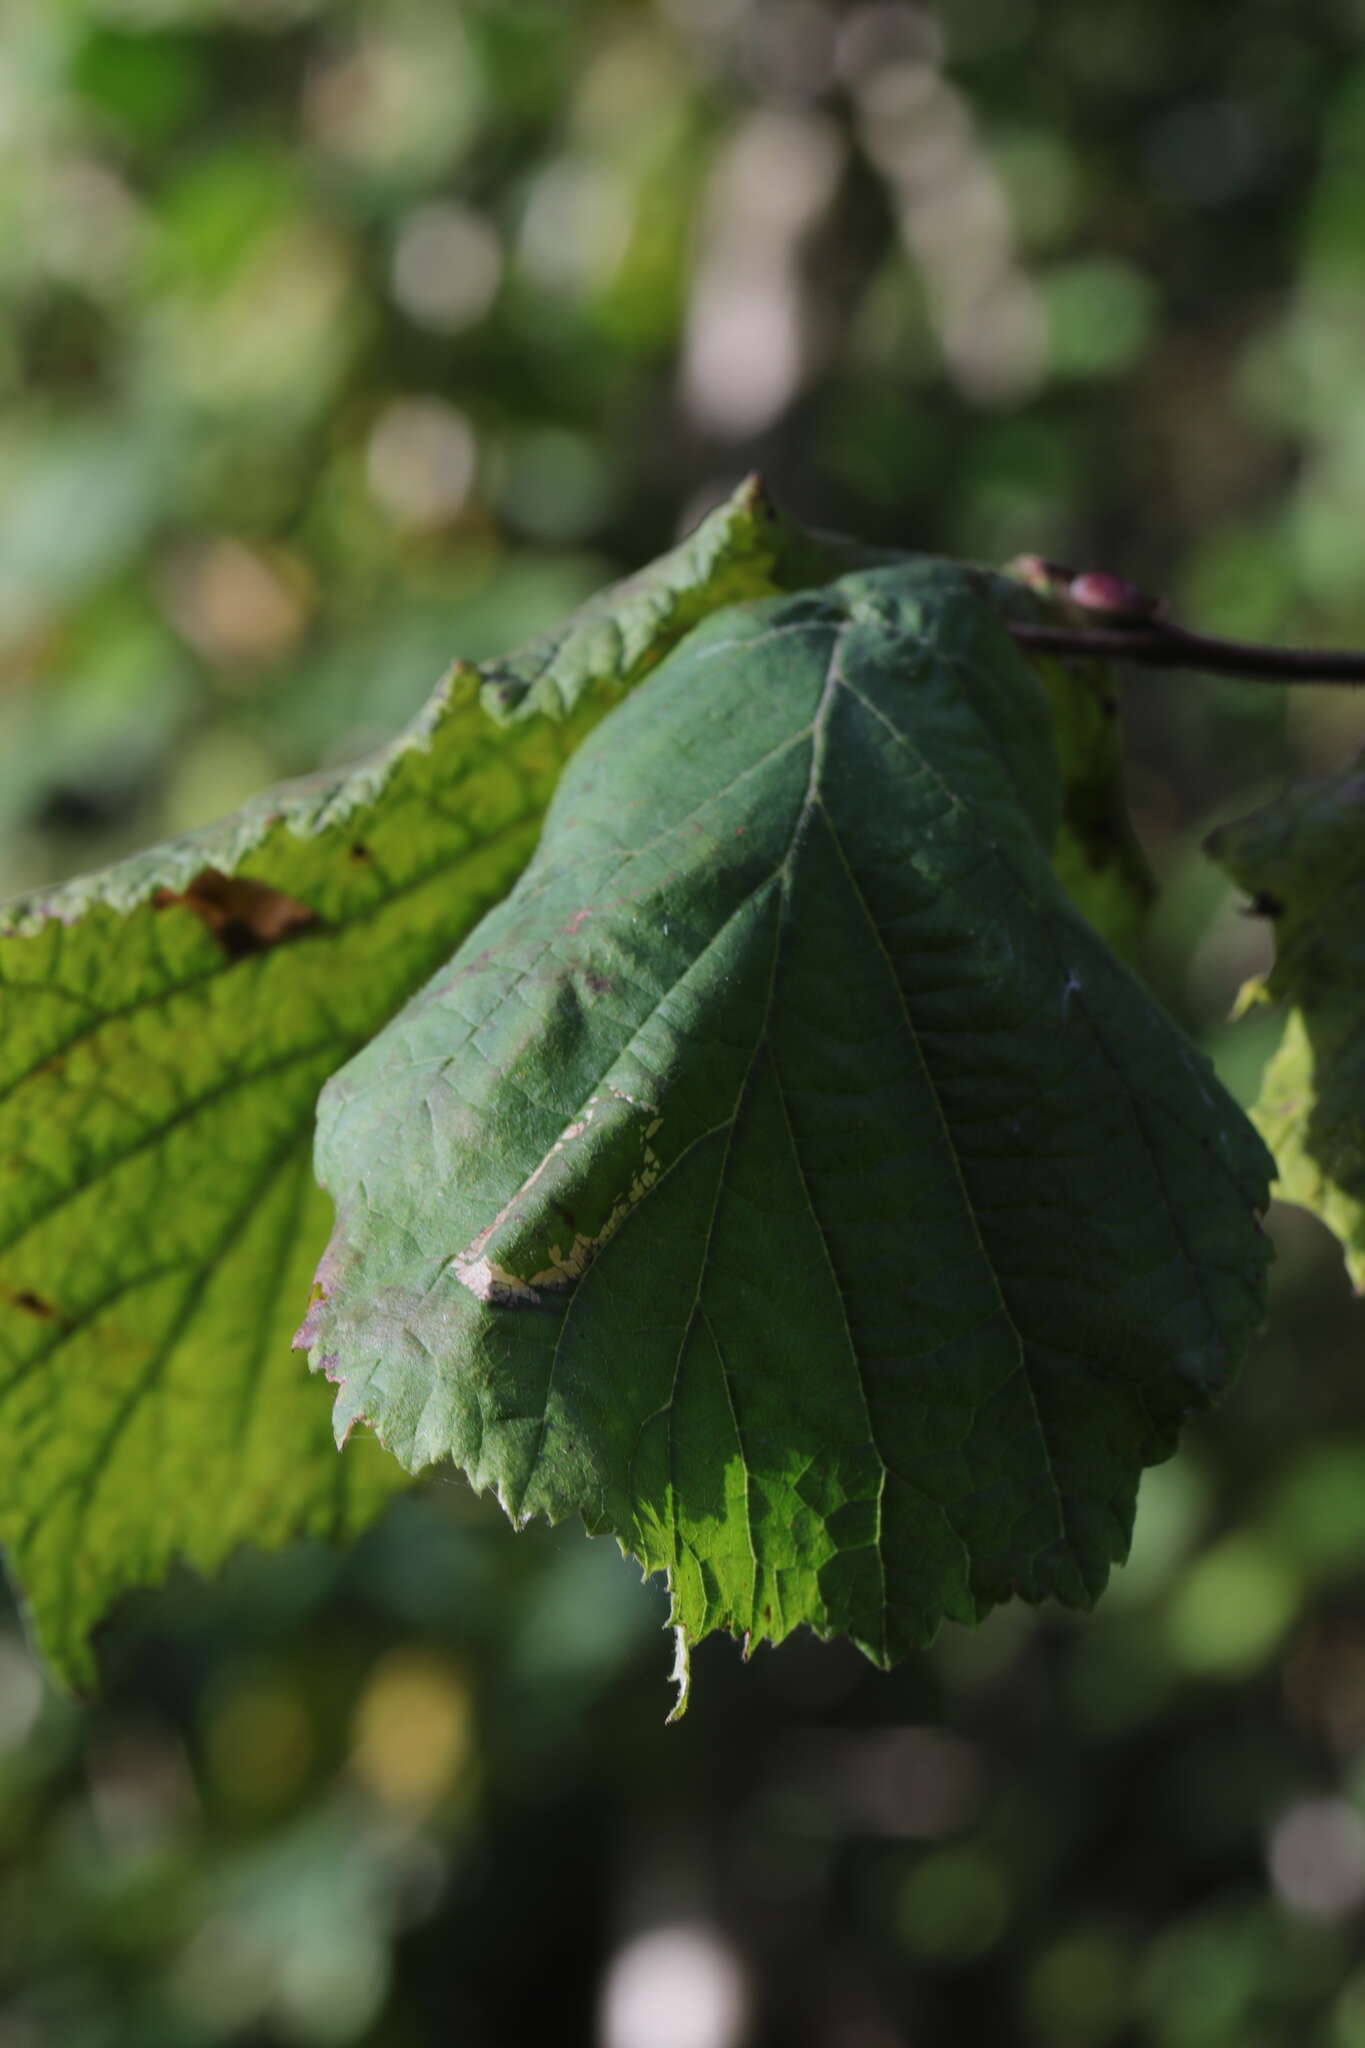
x: 1156, y: 643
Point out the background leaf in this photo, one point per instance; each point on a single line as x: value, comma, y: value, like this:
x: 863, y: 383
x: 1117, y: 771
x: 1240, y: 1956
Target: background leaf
x: 785, y: 1176
x: 1302, y: 861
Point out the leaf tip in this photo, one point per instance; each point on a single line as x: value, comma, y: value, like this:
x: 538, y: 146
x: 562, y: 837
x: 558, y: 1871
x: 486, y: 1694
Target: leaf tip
x: 1252, y: 994
x: 310, y: 1329
x: 681, y: 1674
x: 753, y: 495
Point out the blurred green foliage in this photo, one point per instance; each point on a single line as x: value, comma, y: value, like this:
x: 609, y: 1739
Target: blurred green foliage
x: 338, y: 337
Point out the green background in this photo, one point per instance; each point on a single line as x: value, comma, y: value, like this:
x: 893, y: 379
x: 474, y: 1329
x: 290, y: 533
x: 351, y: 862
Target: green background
x: 337, y: 340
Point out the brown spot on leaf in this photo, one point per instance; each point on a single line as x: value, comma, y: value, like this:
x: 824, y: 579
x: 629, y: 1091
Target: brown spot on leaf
x: 34, y: 1305
x: 597, y: 983
x: 360, y: 851
x: 245, y: 916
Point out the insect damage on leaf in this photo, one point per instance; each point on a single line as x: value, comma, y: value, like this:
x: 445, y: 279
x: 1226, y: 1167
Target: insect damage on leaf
x: 33, y: 1304
x: 244, y: 915
x: 569, y: 1206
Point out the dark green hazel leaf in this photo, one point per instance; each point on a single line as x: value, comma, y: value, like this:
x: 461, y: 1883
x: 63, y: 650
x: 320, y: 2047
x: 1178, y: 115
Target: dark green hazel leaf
x: 784, y: 1176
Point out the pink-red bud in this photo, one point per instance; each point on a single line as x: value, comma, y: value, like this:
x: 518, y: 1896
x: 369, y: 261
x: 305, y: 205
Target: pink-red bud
x: 1098, y: 591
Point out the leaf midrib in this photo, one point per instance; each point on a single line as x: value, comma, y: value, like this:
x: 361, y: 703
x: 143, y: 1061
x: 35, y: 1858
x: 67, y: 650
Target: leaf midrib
x: 817, y: 733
